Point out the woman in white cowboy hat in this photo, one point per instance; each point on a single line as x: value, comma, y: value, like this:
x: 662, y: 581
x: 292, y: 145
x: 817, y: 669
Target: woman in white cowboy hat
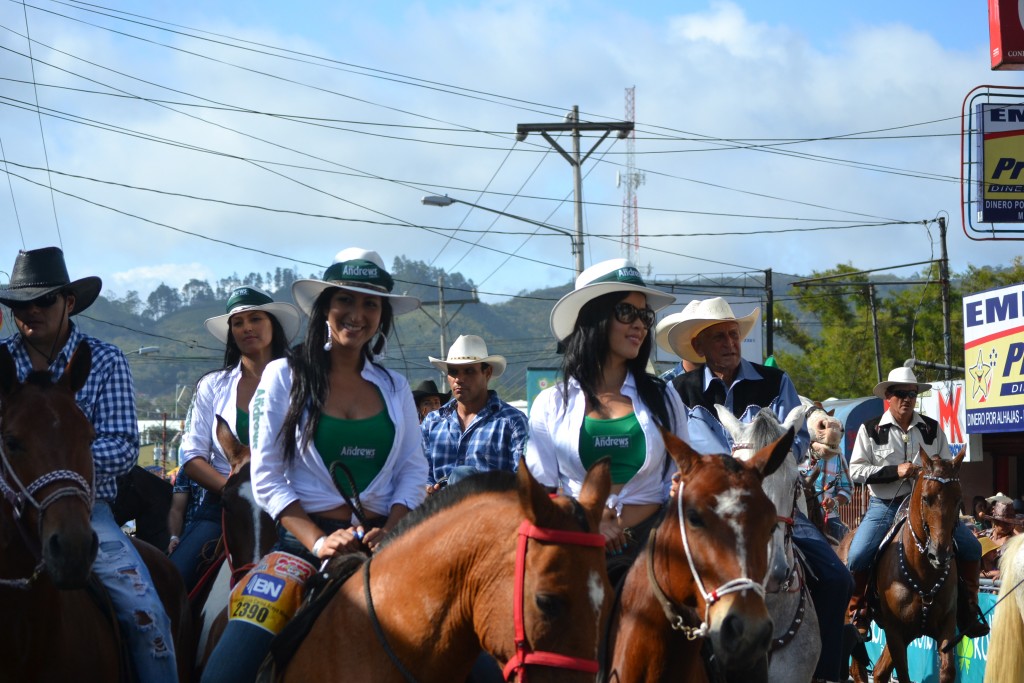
x: 337, y: 457
x: 607, y: 404
x: 254, y: 330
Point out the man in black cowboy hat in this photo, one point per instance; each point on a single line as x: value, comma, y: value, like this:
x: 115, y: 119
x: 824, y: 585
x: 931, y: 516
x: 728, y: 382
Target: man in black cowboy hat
x: 428, y: 398
x: 43, y: 298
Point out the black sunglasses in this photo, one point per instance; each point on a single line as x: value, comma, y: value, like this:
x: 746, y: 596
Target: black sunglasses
x: 904, y: 393
x: 626, y: 313
x: 44, y: 301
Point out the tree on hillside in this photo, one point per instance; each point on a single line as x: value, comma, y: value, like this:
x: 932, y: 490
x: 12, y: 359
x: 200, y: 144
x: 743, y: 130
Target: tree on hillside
x: 418, y: 279
x: 130, y: 303
x: 196, y: 292
x: 161, y: 301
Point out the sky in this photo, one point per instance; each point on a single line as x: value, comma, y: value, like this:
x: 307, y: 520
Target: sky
x: 165, y: 141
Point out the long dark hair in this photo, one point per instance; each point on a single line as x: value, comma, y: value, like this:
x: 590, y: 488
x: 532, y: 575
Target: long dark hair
x: 311, y: 368
x: 587, y: 347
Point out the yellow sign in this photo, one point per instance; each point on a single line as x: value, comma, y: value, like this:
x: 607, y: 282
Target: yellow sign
x: 994, y: 358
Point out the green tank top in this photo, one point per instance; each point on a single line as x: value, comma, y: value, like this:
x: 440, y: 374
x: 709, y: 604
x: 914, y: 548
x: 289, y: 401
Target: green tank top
x: 242, y: 426
x: 360, y: 445
x: 621, y: 438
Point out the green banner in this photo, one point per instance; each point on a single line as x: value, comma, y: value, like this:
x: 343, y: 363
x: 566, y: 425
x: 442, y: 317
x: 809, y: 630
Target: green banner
x: 923, y: 656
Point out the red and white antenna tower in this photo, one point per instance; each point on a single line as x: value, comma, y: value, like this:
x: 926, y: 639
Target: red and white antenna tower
x: 629, y: 181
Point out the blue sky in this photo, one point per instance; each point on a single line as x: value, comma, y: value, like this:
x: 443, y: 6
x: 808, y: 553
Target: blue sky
x: 709, y: 76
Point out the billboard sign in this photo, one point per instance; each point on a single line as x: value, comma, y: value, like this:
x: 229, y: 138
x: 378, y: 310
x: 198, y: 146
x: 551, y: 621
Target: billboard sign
x: 1000, y: 143
x: 945, y: 403
x: 994, y: 360
x: 1006, y: 34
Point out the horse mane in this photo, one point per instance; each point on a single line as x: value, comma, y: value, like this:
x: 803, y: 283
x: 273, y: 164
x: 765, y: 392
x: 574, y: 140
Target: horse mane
x: 497, y: 481
x: 764, y: 428
x: 1005, y: 655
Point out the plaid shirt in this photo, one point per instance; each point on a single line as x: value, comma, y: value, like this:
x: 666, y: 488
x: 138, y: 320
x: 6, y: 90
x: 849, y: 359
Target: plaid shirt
x: 494, y: 440
x: 832, y: 481
x: 107, y: 399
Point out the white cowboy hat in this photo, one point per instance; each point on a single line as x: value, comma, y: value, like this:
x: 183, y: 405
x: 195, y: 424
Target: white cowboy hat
x: 614, y: 275
x: 1000, y: 498
x: 357, y: 270
x: 469, y: 349
x: 247, y: 298
x: 706, y: 313
x: 898, y: 376
x: 664, y: 327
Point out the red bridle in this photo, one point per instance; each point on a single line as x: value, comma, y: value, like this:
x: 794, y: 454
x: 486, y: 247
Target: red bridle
x: 525, y: 656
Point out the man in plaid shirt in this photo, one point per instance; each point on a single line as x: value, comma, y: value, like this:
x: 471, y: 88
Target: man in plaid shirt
x: 475, y: 431
x: 43, y: 299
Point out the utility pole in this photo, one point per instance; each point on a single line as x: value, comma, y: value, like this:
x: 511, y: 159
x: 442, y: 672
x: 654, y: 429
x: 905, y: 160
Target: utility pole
x: 769, y: 314
x: 440, y: 317
x: 947, y: 338
x: 573, y: 126
x: 874, y: 329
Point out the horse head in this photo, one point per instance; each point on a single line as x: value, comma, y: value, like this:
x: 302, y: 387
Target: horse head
x: 936, y: 500
x: 781, y: 486
x: 725, y: 522
x: 46, y: 466
x: 249, y: 532
x: 565, y: 595
x: 826, y: 430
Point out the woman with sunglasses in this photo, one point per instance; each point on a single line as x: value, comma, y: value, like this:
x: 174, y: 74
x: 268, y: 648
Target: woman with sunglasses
x: 608, y: 405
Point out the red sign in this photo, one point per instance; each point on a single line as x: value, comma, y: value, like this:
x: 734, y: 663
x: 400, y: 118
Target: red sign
x: 1006, y: 34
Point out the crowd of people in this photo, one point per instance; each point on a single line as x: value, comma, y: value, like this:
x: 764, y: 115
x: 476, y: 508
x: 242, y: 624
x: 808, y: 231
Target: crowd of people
x: 343, y: 448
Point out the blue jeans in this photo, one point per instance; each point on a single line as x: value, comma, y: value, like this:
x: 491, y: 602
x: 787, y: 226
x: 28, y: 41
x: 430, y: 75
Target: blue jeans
x: 135, y: 600
x: 830, y: 584
x: 876, y: 522
x: 204, y: 528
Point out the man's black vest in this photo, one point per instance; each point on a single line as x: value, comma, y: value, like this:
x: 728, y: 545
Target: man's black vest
x: 690, y: 386
x: 879, y: 433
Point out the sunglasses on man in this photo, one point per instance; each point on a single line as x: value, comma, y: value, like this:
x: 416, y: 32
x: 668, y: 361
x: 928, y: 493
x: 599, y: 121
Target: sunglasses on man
x: 44, y: 301
x: 904, y: 394
x: 626, y: 313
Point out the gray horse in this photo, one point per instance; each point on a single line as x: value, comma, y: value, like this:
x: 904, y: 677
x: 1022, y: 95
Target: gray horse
x: 796, y: 642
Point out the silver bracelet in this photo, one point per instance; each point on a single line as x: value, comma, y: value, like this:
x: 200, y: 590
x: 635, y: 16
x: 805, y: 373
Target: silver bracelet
x: 317, y: 545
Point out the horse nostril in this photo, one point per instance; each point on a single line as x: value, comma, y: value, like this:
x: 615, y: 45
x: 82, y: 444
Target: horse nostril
x: 732, y: 630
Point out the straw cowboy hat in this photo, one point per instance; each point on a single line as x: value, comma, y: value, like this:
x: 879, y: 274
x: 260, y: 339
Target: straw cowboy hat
x: 614, y: 275
x: 1000, y: 498
x: 252, y: 299
x: 469, y: 349
x: 900, y: 376
x: 357, y: 270
x: 706, y: 313
x: 668, y: 323
x: 38, y: 272
x: 427, y: 389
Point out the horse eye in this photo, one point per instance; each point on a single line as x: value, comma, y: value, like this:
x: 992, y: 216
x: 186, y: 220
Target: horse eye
x: 551, y: 606
x: 694, y: 518
x: 928, y: 499
x: 12, y: 443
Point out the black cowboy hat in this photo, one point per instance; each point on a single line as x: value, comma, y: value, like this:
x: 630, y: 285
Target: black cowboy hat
x: 426, y: 389
x: 38, y: 272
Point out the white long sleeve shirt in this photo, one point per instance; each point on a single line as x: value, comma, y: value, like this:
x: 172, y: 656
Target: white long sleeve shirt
x: 870, y: 458
x: 216, y: 394
x: 552, y: 450
x: 277, y: 484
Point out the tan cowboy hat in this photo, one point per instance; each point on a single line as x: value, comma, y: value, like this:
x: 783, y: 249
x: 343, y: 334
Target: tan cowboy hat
x: 357, y: 270
x: 987, y: 545
x: 706, y: 313
x: 38, y: 272
x: 467, y: 350
x: 899, y: 376
x: 665, y: 326
x: 252, y: 299
x: 614, y: 275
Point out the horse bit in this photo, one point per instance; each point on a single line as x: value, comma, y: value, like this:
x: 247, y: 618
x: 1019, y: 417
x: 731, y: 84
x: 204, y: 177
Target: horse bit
x: 26, y: 494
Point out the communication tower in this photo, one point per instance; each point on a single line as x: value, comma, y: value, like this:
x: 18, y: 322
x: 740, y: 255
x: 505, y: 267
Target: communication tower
x: 629, y: 181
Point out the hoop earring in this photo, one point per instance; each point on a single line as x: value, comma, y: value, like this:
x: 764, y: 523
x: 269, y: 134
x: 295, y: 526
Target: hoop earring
x: 330, y: 342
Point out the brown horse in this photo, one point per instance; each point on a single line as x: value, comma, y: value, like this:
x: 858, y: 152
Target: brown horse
x: 51, y: 628
x: 700, y: 576
x: 248, y: 534
x: 916, y: 577
x: 492, y: 562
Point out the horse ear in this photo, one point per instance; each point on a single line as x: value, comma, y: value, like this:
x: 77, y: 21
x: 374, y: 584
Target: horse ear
x: 533, y: 498
x: 771, y: 457
x: 959, y: 457
x: 596, y: 487
x: 8, y: 372
x: 831, y: 413
x: 237, y: 454
x: 684, y: 456
x: 728, y: 420
x: 795, y: 417
x: 78, y: 368
x: 925, y: 459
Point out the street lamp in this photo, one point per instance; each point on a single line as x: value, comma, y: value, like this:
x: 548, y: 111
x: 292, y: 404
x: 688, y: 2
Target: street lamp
x: 438, y: 200
x: 144, y: 350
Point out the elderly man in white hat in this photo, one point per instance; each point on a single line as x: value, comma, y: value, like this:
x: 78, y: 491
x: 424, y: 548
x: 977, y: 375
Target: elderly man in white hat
x: 886, y: 457
x: 661, y: 331
x: 710, y: 333
x: 476, y: 430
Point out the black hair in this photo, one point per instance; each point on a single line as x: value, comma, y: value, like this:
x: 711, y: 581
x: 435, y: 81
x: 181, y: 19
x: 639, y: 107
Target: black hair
x: 310, y: 364
x: 278, y: 343
x: 586, y: 349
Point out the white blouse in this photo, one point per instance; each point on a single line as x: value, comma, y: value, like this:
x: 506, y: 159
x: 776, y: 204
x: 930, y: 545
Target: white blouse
x: 216, y: 394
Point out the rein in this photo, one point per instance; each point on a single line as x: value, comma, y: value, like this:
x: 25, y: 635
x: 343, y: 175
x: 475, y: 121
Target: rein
x: 675, y: 617
x: 26, y: 495
x: 927, y: 598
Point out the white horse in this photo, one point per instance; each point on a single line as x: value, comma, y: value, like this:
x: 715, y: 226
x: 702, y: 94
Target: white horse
x: 796, y: 642
x: 1005, y: 654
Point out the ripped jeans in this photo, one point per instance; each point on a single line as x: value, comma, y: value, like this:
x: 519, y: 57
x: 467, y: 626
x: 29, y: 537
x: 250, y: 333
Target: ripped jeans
x: 144, y: 623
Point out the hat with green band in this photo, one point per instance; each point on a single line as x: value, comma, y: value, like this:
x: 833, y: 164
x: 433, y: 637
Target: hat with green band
x: 615, y: 275
x: 247, y: 298
x: 357, y: 270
